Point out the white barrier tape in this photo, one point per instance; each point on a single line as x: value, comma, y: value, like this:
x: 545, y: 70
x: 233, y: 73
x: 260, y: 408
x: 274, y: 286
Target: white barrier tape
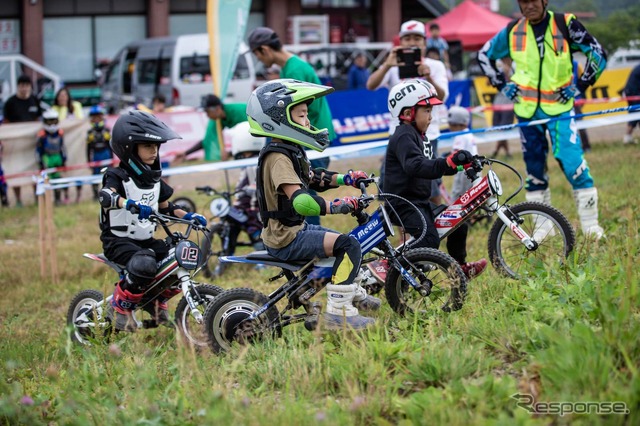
x: 359, y: 150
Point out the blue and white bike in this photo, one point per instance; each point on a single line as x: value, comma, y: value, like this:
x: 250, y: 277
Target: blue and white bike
x: 417, y: 279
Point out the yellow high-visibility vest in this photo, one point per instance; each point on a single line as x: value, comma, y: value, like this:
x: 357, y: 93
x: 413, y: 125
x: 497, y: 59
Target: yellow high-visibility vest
x: 539, y: 82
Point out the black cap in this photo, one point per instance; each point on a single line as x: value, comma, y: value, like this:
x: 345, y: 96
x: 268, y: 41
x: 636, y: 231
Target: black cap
x: 262, y: 36
x: 24, y: 79
x: 210, y: 101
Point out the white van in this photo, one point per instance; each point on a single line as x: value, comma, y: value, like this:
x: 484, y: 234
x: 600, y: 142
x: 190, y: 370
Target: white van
x: 623, y: 58
x: 176, y: 67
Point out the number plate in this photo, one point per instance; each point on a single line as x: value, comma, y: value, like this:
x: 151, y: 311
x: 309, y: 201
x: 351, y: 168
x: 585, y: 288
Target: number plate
x: 188, y: 255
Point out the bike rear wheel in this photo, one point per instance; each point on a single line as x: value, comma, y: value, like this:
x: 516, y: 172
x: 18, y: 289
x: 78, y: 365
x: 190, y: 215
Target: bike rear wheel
x: 192, y: 332
x: 213, y: 248
x: 226, y: 319
x: 548, y: 226
x: 84, y: 316
x: 437, y: 273
x: 185, y: 204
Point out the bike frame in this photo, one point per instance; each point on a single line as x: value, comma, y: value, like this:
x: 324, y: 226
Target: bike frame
x: 184, y: 253
x: 484, y: 193
x: 372, y: 233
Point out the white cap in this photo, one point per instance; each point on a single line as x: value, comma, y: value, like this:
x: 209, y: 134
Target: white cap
x: 459, y: 115
x: 412, y: 27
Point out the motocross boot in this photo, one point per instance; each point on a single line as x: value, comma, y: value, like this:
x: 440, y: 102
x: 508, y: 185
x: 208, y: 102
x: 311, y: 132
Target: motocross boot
x: 363, y: 301
x: 340, y: 310
x: 121, y: 307
x: 159, y: 309
x: 587, y: 203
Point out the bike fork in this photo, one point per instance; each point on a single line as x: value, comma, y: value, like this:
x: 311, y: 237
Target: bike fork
x: 186, y: 285
x: 503, y: 213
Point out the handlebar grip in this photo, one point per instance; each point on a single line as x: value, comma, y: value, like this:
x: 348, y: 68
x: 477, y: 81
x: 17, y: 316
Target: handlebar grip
x: 203, y: 188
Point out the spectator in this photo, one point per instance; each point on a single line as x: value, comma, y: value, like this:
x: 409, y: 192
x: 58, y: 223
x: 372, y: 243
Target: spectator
x: 229, y: 115
x: 542, y: 88
x: 65, y: 106
x: 632, y: 88
x: 50, y: 150
x: 159, y: 103
x: 3, y: 183
x: 358, y: 72
x: 266, y: 45
x: 98, y: 138
x: 439, y: 43
x: 412, y: 34
x: 21, y: 107
x: 504, y: 114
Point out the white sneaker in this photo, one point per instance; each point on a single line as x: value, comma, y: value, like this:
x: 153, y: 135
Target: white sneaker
x: 629, y: 140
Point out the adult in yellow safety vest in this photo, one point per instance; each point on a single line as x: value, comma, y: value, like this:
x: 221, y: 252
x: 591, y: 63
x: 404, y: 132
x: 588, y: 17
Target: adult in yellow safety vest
x: 541, y: 44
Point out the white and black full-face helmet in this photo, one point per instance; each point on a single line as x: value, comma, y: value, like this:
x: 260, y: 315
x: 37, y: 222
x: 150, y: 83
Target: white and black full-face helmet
x: 409, y: 94
x: 243, y: 141
x: 50, y: 121
x: 138, y: 127
x: 269, y: 112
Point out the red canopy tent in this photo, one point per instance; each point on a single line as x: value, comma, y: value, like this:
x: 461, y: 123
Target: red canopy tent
x: 470, y: 24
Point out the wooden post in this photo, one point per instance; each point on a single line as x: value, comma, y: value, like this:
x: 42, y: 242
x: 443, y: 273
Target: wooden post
x: 43, y: 233
x: 51, y: 232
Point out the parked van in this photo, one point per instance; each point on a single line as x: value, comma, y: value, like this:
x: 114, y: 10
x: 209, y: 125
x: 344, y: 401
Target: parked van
x: 623, y: 58
x: 176, y: 67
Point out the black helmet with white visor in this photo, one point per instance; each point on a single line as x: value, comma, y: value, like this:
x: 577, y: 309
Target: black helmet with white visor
x: 138, y: 127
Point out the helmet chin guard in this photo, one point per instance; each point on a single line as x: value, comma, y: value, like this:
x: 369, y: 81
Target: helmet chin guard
x: 269, y: 112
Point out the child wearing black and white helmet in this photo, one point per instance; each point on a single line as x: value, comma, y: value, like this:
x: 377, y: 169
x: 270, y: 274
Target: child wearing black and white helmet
x: 129, y: 194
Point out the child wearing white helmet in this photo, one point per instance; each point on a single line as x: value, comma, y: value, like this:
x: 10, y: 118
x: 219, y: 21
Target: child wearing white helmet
x: 244, y: 145
x: 51, y: 151
x: 411, y: 165
x: 459, y: 119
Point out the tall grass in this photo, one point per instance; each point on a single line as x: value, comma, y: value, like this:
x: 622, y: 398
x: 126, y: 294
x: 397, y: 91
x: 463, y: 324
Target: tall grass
x: 566, y: 334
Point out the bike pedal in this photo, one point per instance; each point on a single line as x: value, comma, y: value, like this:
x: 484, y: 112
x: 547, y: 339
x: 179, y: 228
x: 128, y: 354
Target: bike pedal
x: 313, y: 310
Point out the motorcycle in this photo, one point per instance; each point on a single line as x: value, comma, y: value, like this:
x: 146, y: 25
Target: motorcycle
x: 423, y: 276
x: 87, y: 317
x: 527, y: 234
x: 224, y: 224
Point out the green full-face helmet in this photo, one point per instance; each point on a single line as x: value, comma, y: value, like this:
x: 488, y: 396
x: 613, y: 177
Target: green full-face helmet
x: 269, y: 112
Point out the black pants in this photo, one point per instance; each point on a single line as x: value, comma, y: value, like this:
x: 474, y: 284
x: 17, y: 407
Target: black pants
x: 456, y: 242
x: 120, y: 250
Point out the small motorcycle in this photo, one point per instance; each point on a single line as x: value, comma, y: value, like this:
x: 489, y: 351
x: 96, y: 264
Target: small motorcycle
x: 527, y: 234
x: 87, y: 311
x: 224, y: 224
x: 418, y: 278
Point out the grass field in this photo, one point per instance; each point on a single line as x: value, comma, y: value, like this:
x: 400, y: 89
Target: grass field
x: 565, y: 335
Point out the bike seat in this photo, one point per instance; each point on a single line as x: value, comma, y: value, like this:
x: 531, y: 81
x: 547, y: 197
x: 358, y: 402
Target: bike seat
x: 263, y: 256
x: 102, y: 258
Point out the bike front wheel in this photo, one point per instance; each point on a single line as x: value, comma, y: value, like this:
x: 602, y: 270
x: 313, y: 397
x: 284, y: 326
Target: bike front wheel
x: 194, y: 333
x: 439, y: 279
x: 227, y: 319
x: 546, y: 225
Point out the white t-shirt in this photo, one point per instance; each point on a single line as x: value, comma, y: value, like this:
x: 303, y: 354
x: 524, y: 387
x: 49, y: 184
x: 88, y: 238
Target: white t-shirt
x: 439, y: 76
x: 460, y: 181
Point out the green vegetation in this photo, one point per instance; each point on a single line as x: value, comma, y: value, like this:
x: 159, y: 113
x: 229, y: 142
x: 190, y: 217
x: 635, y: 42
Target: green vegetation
x: 566, y: 334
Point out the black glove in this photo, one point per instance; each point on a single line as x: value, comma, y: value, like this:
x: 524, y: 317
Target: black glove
x: 459, y: 158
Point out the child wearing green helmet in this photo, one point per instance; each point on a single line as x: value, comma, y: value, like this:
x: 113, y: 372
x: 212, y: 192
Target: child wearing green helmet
x: 279, y: 109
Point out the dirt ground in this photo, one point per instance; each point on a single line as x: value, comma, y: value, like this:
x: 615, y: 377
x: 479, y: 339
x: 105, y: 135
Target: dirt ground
x: 607, y: 134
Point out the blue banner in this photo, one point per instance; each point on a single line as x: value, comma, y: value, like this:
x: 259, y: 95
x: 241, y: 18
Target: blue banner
x: 361, y: 116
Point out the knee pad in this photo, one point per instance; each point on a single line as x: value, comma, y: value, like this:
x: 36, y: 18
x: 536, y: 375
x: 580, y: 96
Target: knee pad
x: 141, y: 270
x: 348, y: 256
